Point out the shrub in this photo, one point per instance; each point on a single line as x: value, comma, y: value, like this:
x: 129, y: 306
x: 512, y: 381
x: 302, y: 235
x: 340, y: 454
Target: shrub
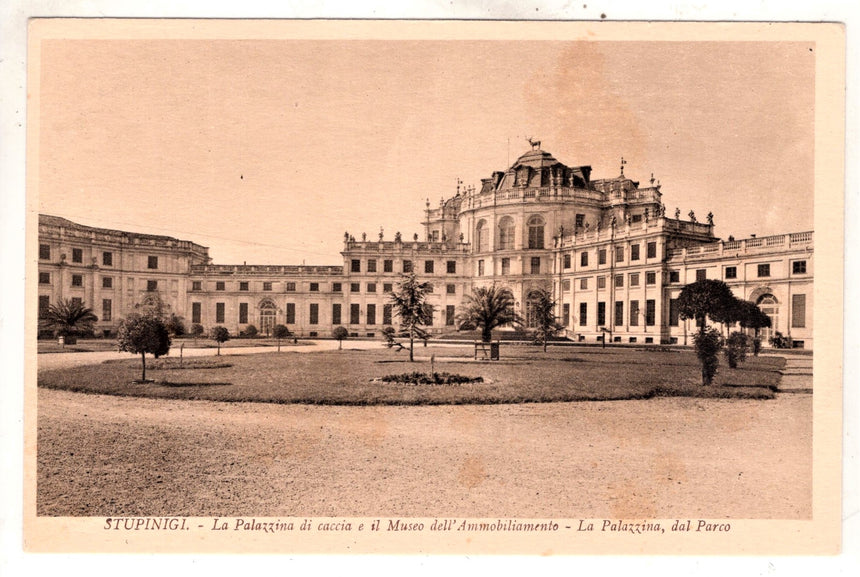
x: 280, y: 332
x: 339, y: 334
x: 250, y: 331
x: 708, y: 343
x: 176, y: 325
x: 197, y: 330
x: 756, y: 345
x: 220, y: 335
x: 736, y: 349
x: 779, y: 341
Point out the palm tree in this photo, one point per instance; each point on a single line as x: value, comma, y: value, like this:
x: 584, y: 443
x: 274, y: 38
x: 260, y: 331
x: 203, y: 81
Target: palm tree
x: 546, y: 324
x: 69, y: 318
x: 488, y: 308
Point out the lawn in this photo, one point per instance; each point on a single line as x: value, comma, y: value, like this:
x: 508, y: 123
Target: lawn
x: 353, y: 377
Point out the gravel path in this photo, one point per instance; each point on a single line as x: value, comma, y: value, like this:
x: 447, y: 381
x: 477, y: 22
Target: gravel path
x: 665, y: 458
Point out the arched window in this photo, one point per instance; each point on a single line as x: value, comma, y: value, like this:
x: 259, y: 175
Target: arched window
x: 482, y: 236
x: 769, y: 306
x: 507, y: 230
x: 535, y: 225
x: 268, y: 316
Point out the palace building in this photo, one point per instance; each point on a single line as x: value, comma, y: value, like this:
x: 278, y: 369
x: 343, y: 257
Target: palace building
x: 613, y: 259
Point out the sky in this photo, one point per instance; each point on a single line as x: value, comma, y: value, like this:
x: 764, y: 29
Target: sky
x: 267, y: 151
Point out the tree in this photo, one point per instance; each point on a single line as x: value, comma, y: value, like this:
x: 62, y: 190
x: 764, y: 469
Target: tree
x: 69, y: 318
x: 488, y: 308
x: 752, y: 317
x: 175, y: 325
x: 411, y: 307
x: 280, y: 332
x: 736, y: 349
x: 220, y: 335
x: 542, y: 307
x: 141, y: 334
x: 700, y: 300
x: 340, y: 333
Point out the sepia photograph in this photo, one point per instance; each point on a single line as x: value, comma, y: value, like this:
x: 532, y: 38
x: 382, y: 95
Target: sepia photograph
x: 426, y: 286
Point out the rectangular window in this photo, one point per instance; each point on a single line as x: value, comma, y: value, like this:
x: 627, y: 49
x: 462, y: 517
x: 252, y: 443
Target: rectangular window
x: 567, y: 259
x: 580, y: 220
x: 619, y: 281
x: 701, y: 274
x: 583, y: 258
x: 650, y: 312
x: 336, y: 287
x: 45, y: 278
x: 601, y: 314
x: 407, y: 266
x: 107, y: 282
x: 619, y: 254
x: 152, y: 262
x: 428, y: 311
x: 506, y: 266
x: 386, y: 314
x: 45, y: 252
x: 601, y: 256
x: 634, y: 252
x: 451, y: 267
x: 355, y: 265
x: 634, y: 313
x: 336, y: 309
x: 291, y: 313
x: 219, y: 312
x: 243, y: 313
x: 77, y: 301
x: 731, y: 272
x: 107, y: 259
x: 480, y: 268
x: 565, y: 314
x: 196, y: 313
x: 77, y: 255
x: 583, y: 314
x: 77, y: 280
x: 601, y: 282
x: 636, y: 218
x: 243, y: 285
x: 674, y: 276
x: 196, y: 285
x: 674, y: 313
x: 288, y: 287
x: 152, y: 285
x: 267, y: 285
x: 763, y: 270
x: 428, y: 267
x: 619, y: 313
x: 583, y: 284
x: 219, y: 285
x: 798, y: 311
x: 634, y: 279
x: 371, y: 287
x: 798, y: 267
x: 44, y: 305
x: 314, y: 311
x: 354, y: 314
x: 650, y: 278
x: 371, y: 314
x: 429, y: 287
x: 388, y: 266
x: 315, y: 287
x: 565, y: 285
x: 451, y: 289
x: 536, y: 237
x: 449, y: 315
x: 651, y: 250
x: 107, y: 309
x: 354, y: 287
x: 387, y: 287
x: 371, y: 265
x: 535, y: 265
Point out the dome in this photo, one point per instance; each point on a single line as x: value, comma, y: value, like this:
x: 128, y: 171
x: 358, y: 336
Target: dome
x: 535, y: 158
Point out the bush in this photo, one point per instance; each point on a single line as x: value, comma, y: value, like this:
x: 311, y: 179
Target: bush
x: 708, y: 343
x: 736, y: 349
x: 197, y: 330
x: 176, y: 325
x: 220, y: 335
x: 339, y: 334
x: 756, y: 345
x: 779, y: 341
x: 250, y: 331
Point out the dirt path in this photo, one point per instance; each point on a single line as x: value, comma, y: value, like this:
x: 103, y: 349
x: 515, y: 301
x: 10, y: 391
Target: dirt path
x: 670, y: 457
